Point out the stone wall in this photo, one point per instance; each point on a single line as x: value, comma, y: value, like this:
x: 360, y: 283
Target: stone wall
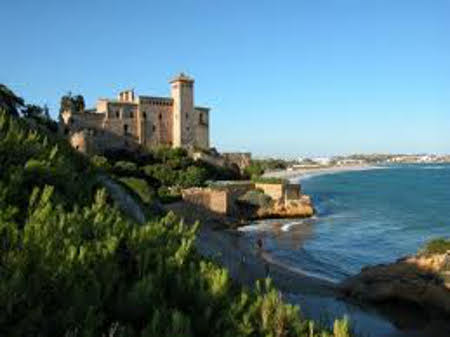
x: 239, y: 159
x: 225, y: 199
x: 292, y: 192
x: 157, y: 120
x: 275, y: 191
x: 216, y: 200
x: 201, y: 126
x: 207, y: 158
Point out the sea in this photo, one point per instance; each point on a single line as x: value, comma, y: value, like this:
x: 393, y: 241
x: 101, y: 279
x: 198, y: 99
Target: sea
x: 363, y: 218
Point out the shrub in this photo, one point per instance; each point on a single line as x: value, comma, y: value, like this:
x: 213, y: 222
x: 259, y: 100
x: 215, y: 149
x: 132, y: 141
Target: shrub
x: 168, y: 195
x: 436, y: 246
x: 193, y: 176
x: 162, y: 173
x: 101, y: 162
x: 140, y: 188
x: 269, y: 180
x: 125, y: 168
x: 256, y: 198
x: 254, y: 170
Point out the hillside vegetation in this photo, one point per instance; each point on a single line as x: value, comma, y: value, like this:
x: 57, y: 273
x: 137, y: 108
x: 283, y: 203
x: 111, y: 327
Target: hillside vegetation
x: 162, y: 172
x: 71, y: 264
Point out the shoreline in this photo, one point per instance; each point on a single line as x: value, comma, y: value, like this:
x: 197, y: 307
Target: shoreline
x: 245, y: 265
x: 243, y: 260
x: 308, y: 172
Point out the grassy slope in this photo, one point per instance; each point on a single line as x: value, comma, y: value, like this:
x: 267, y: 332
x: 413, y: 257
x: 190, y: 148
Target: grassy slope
x: 71, y: 264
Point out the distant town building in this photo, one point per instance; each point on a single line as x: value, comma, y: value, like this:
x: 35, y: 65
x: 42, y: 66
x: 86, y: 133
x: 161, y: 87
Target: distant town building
x: 131, y: 121
x: 322, y: 160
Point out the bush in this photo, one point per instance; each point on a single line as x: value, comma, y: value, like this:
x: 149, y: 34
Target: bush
x: 254, y: 170
x: 269, y: 180
x: 168, y: 195
x: 101, y: 162
x: 125, y: 168
x: 140, y: 188
x: 256, y: 198
x: 193, y: 176
x: 162, y: 173
x: 436, y: 246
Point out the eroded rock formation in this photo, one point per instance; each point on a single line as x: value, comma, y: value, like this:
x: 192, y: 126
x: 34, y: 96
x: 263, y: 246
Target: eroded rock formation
x: 418, y: 279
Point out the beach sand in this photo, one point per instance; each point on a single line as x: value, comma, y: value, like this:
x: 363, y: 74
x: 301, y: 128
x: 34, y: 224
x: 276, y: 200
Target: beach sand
x: 303, y: 173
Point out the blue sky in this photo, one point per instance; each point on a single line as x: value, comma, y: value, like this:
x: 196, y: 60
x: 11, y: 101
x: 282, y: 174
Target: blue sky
x: 283, y: 78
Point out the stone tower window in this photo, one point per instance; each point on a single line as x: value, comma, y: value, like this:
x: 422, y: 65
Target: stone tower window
x: 144, y: 115
x: 117, y: 114
x: 125, y: 129
x: 153, y: 127
x: 131, y: 114
x: 160, y: 116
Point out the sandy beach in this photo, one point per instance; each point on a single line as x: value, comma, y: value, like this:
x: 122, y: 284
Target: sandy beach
x: 244, y: 261
x: 307, y: 172
x: 318, y: 298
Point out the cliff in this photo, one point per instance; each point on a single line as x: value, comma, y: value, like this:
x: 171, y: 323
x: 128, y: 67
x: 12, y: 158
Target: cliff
x: 299, y: 208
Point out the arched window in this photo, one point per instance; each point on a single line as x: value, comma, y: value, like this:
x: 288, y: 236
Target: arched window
x: 117, y: 114
x: 144, y: 115
x: 160, y: 116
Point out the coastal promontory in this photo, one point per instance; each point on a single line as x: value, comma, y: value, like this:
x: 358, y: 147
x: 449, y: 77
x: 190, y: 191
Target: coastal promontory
x: 421, y: 279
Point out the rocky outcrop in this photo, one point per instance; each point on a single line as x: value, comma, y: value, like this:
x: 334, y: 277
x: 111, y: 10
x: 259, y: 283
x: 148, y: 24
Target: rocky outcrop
x: 297, y: 208
x: 416, y: 279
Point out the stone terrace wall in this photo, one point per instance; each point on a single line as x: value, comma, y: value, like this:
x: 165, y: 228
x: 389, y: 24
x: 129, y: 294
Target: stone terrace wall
x: 292, y: 192
x: 275, y: 191
x: 241, y: 159
x: 215, y: 200
x: 221, y: 199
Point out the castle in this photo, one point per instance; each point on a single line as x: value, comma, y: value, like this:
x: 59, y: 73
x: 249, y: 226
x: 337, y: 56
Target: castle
x: 131, y: 121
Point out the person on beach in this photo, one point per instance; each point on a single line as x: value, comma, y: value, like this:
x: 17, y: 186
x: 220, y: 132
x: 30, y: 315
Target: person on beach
x: 259, y: 243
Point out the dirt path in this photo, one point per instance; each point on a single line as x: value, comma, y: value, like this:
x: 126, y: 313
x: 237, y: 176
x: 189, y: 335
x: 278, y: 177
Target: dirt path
x: 123, y: 199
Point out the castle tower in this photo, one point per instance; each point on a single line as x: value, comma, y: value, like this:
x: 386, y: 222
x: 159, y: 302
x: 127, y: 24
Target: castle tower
x: 182, y: 89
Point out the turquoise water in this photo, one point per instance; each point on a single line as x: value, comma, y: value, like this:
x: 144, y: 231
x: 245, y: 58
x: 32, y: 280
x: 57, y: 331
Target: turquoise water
x: 363, y: 218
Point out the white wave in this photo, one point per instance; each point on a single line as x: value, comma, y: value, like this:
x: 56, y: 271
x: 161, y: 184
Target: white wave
x: 289, y: 225
x: 435, y: 167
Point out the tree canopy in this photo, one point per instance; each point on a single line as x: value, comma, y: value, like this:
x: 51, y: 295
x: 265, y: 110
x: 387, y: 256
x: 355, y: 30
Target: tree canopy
x: 9, y: 101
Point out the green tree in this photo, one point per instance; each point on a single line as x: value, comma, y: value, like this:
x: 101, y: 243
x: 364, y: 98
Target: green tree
x: 9, y: 101
x: 33, y: 111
